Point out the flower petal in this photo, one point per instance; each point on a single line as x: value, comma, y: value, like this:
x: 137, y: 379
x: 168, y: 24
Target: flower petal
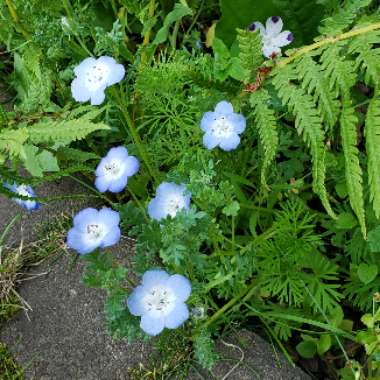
x: 155, y: 209
x: 108, y: 217
x: 117, y: 153
x: 84, y: 217
x: 116, y: 70
x: 210, y: 141
x: 117, y: 185
x: 257, y: 26
x: 134, y: 304
x: 132, y: 165
x: 98, y: 96
x: 273, y: 26
x: 79, y: 91
x: 269, y: 50
x: 180, y: 285
x: 154, y: 277
x: 238, y: 121
x: 102, y: 183
x: 177, y: 316
x: 84, y: 66
x: 224, y: 108
x: 112, y: 237
x: 283, y: 39
x: 152, y: 326
x: 207, y: 120
x: 76, y: 241
x: 230, y: 143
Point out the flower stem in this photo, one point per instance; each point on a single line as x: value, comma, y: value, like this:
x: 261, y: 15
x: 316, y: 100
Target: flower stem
x: 326, y: 41
x: 16, y: 19
x: 152, y: 6
x: 135, y: 135
x: 246, y: 293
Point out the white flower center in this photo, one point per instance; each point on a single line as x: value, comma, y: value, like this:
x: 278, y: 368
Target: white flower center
x: 159, y: 299
x: 174, y: 204
x: 22, y: 190
x: 94, y: 231
x: 222, y: 127
x: 96, y: 76
x: 268, y: 40
x: 113, y: 168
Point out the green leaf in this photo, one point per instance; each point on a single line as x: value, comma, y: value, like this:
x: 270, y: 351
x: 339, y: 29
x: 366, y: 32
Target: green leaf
x: 307, y: 349
x: 176, y: 14
x: 367, y: 273
x: 346, y: 221
x: 232, y: 209
x: 374, y: 239
x: 323, y: 344
x: 353, y: 170
x: 37, y: 163
x: 372, y: 142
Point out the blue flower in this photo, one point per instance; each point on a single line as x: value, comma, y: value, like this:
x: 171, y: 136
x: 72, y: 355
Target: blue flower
x: 93, y: 76
x: 114, y: 169
x: 26, y: 191
x: 94, y: 229
x: 170, y: 198
x: 160, y: 301
x: 222, y: 127
x: 272, y: 37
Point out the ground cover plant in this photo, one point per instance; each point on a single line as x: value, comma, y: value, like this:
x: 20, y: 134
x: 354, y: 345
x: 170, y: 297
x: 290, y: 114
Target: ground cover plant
x: 237, y: 142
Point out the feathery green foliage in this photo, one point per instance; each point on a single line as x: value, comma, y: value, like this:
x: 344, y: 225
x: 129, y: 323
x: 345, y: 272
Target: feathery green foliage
x: 265, y: 122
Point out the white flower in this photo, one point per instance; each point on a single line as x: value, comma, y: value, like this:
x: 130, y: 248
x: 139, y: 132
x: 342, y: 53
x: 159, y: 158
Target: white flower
x: 93, y: 76
x: 170, y: 198
x: 25, y: 191
x: 94, y: 229
x: 160, y: 301
x: 114, y: 169
x: 222, y: 127
x: 272, y: 37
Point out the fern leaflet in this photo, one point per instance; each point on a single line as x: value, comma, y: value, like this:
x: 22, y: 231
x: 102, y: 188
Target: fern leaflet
x: 372, y: 140
x: 265, y: 121
x: 309, y: 125
x: 353, y: 170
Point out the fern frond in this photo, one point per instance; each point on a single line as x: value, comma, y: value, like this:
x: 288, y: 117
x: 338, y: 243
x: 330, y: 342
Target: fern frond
x: 372, y: 141
x: 12, y: 140
x: 266, y: 124
x: 63, y: 131
x: 344, y: 17
x: 339, y: 71
x: 250, y: 55
x: 315, y: 83
x: 309, y: 125
x: 348, y: 123
x: 368, y: 57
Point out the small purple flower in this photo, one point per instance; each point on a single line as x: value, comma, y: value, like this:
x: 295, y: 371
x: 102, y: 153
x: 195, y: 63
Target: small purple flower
x: 160, y: 301
x: 170, y: 198
x: 93, y: 76
x: 26, y: 191
x: 272, y: 37
x: 114, y: 169
x: 222, y: 127
x: 94, y: 229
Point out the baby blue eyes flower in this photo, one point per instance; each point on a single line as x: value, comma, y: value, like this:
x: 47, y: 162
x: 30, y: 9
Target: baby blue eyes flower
x: 93, y: 76
x: 114, y: 169
x: 26, y: 191
x: 160, y: 301
x: 94, y: 229
x: 170, y: 198
x: 272, y: 37
x: 222, y: 127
